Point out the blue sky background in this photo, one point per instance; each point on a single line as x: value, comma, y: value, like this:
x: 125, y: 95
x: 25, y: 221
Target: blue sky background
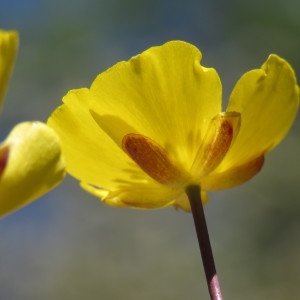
x: 67, y: 245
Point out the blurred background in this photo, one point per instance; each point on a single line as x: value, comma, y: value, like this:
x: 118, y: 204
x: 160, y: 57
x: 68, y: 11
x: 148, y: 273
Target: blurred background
x: 68, y: 245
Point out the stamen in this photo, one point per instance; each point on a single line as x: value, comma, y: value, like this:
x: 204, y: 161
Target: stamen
x: 151, y: 158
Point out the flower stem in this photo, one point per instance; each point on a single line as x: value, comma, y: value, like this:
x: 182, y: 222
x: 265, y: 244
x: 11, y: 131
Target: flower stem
x: 193, y: 192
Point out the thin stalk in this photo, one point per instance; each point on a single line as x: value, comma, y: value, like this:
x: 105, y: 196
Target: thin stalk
x: 194, y: 196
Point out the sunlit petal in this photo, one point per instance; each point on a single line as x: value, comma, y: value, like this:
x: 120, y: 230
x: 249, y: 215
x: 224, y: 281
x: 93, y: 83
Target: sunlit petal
x: 91, y: 155
x: 163, y: 93
x: 34, y: 165
x: 268, y: 101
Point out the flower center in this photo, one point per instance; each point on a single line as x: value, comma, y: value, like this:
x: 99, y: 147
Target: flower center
x: 152, y: 159
x: 157, y: 163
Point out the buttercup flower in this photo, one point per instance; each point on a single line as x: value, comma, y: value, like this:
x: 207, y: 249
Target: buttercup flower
x: 149, y: 127
x: 30, y: 157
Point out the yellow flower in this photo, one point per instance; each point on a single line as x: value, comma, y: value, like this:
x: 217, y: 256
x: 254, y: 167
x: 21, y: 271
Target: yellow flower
x: 148, y: 128
x: 30, y: 157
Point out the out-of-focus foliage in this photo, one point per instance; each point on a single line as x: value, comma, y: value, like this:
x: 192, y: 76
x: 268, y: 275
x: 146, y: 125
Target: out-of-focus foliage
x: 69, y: 246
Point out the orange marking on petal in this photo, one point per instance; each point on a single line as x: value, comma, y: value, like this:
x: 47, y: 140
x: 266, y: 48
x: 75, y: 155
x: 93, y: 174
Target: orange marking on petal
x: 218, y: 147
x: 221, y: 132
x: 151, y: 158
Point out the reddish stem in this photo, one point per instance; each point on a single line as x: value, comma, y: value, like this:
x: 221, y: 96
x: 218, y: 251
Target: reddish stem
x: 194, y: 196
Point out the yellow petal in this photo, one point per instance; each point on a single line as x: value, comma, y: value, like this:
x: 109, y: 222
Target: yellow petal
x: 34, y: 165
x: 268, y: 101
x: 164, y: 94
x: 232, y: 177
x: 137, y: 195
x: 8, y: 49
x: 91, y: 155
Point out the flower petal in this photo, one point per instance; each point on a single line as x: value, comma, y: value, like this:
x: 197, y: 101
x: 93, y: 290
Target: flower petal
x: 33, y: 167
x: 159, y: 94
x: 137, y: 195
x: 91, y: 155
x: 232, y: 177
x: 268, y: 101
x: 8, y: 49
